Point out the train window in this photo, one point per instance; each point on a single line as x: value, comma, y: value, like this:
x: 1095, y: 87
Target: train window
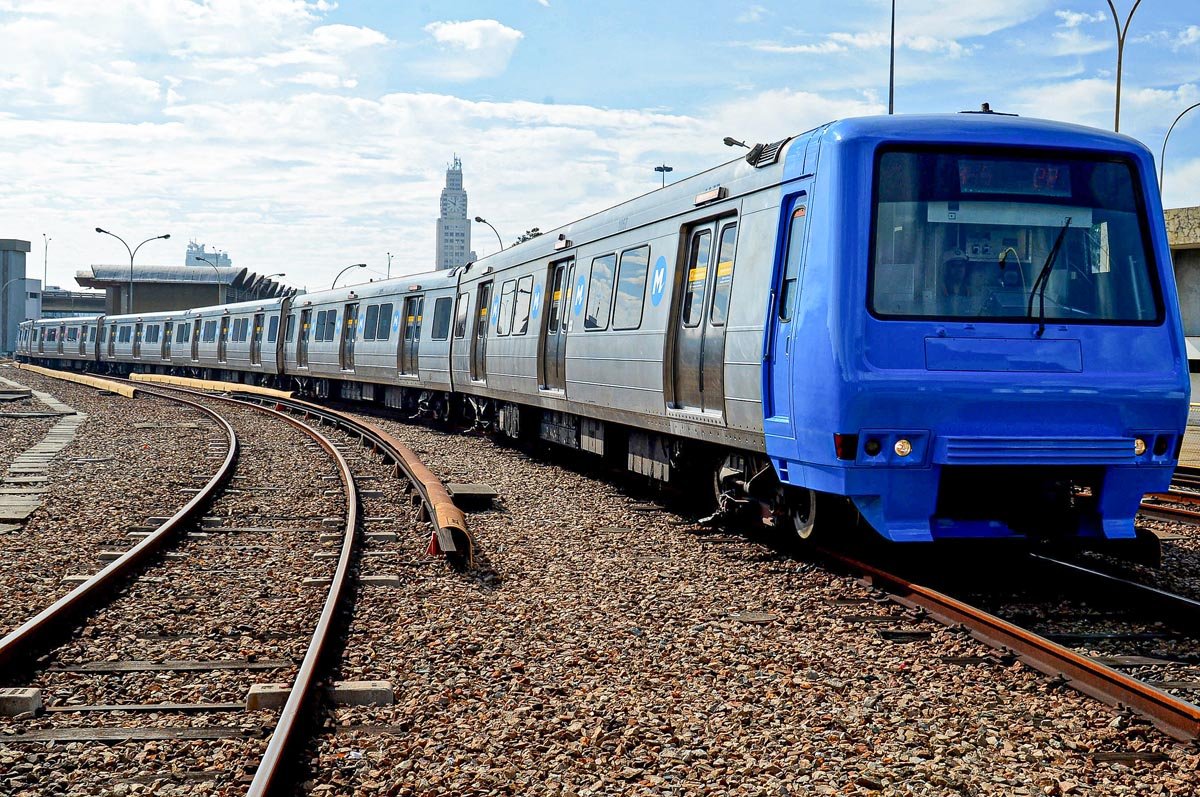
x: 524, y: 295
x: 460, y: 321
x: 289, y: 328
x: 152, y: 334
x: 631, y: 288
x: 181, y: 333
x: 371, y: 320
x: 330, y: 324
x: 72, y: 334
x: 791, y: 272
x: 272, y: 328
x: 319, y: 327
x: 210, y: 331
x: 555, y: 312
x: 697, y: 278
x: 1008, y: 236
x: 122, y: 337
x: 599, y: 296
x: 441, y: 318
x: 385, y: 322
x: 507, y: 302
x: 724, y: 281
x: 91, y: 334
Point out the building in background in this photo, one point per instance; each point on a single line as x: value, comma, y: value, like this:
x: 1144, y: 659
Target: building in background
x: 197, y: 255
x: 157, y: 288
x: 59, y: 302
x: 14, y: 290
x: 454, y: 226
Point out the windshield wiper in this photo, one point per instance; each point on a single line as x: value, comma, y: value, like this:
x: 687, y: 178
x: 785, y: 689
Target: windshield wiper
x: 1043, y: 280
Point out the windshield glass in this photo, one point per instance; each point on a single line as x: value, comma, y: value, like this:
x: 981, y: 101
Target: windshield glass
x: 966, y: 235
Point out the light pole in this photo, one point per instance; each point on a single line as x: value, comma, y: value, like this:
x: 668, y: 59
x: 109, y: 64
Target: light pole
x: 389, y: 274
x: 132, y: 252
x: 214, y: 268
x: 45, y: 260
x: 4, y: 307
x: 892, y: 65
x: 1163, y: 156
x: 1121, y: 31
x: 663, y: 170
x: 482, y: 220
x: 343, y: 271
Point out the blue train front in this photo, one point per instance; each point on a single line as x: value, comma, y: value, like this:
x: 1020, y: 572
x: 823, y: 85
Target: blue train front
x: 975, y: 330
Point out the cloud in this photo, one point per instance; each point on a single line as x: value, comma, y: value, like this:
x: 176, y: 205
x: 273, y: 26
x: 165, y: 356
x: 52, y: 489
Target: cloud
x: 472, y: 49
x: 1073, y: 19
x: 751, y: 14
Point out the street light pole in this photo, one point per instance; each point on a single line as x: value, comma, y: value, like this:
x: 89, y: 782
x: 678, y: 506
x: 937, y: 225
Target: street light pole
x: 45, y: 260
x: 892, y: 65
x: 482, y: 220
x: 1163, y: 157
x: 389, y: 274
x: 132, y: 253
x: 343, y: 271
x: 1121, y: 31
x: 663, y: 170
x: 214, y: 268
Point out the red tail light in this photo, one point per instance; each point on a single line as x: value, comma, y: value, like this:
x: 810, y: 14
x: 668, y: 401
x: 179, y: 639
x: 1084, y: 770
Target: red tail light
x: 845, y: 445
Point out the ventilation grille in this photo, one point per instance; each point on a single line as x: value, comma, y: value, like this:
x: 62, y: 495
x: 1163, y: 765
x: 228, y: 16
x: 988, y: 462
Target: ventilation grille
x: 766, y: 154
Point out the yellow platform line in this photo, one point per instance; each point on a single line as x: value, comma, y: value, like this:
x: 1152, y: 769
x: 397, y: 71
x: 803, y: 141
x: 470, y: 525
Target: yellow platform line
x: 210, y: 385
x: 99, y: 383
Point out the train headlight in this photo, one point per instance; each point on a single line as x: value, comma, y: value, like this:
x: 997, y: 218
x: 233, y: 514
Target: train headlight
x: 1139, y: 446
x: 903, y: 448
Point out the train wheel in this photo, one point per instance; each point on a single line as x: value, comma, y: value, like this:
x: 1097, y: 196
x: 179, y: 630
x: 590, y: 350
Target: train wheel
x: 802, y: 513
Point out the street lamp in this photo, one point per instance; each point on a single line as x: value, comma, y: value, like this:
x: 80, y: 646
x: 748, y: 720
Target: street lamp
x: 1163, y: 156
x: 482, y: 220
x: 4, y: 308
x: 663, y: 170
x: 214, y: 268
x: 343, y: 271
x: 45, y: 260
x: 1121, y: 31
x: 730, y: 141
x: 132, y: 252
x: 892, y: 65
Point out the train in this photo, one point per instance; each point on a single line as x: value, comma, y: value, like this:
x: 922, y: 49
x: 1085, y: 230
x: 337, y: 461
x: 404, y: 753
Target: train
x: 950, y: 327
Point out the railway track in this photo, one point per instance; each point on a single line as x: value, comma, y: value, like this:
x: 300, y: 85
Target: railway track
x: 1048, y: 636
x: 1181, y: 502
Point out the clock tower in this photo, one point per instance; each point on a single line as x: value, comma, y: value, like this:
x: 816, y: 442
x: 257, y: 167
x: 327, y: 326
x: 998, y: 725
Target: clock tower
x: 454, y: 226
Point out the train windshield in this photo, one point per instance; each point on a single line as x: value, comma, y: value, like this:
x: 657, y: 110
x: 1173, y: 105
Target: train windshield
x: 1007, y: 238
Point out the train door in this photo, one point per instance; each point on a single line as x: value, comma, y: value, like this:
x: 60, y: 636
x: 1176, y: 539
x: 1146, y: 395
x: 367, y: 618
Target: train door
x: 479, y: 342
x: 302, y: 338
x: 699, y: 351
x: 112, y: 340
x: 410, y: 335
x: 62, y: 335
x: 349, y: 333
x: 197, y: 325
x: 223, y: 340
x: 40, y: 338
x: 83, y: 337
x: 554, y: 330
x: 168, y: 331
x: 256, y: 340
x: 137, y: 341
x: 781, y: 320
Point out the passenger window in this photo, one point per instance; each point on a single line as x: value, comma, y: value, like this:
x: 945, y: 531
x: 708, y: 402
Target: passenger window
x: 599, y: 298
x: 631, y: 288
x: 441, y: 318
x: 724, y: 281
x: 319, y: 332
x: 460, y: 321
x: 791, y: 272
x: 369, y: 324
x: 524, y: 295
x: 504, y: 316
x: 384, y: 329
x: 330, y: 324
x: 272, y: 328
x: 697, y: 276
x: 289, y: 329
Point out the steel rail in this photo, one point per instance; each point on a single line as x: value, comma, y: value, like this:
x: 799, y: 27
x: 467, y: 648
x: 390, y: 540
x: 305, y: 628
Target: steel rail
x: 1180, y: 610
x: 1172, y: 508
x: 1176, y: 718
x: 272, y: 767
x: 450, y: 525
x: 24, y: 642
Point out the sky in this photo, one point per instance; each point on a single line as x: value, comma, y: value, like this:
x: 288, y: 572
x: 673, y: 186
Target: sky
x: 302, y: 136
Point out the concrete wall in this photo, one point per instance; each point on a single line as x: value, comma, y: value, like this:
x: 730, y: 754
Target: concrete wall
x: 1187, y: 277
x: 153, y: 297
x: 12, y: 308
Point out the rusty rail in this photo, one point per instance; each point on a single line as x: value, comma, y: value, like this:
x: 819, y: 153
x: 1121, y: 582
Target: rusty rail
x: 1176, y: 718
x: 25, y: 642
